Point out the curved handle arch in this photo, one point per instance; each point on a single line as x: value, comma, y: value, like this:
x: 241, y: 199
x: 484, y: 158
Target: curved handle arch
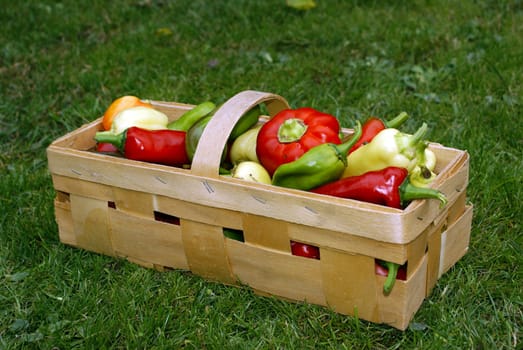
x: 207, y: 157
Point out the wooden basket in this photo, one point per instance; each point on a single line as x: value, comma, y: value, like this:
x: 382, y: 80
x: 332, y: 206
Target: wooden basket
x: 164, y: 217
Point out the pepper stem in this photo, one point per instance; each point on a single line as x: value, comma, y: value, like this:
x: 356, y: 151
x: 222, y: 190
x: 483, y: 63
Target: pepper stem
x: 345, y: 147
x: 397, y: 121
x: 420, y: 152
x: 418, y: 136
x: 408, y: 144
x: 409, y: 192
x: 112, y: 138
x: 391, y: 276
x: 291, y: 130
x: 421, y: 176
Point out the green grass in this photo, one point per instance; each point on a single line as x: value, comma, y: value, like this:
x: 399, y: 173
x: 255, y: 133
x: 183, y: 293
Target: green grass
x: 453, y: 64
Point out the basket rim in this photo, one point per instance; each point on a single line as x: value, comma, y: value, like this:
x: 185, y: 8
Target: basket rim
x: 70, y: 156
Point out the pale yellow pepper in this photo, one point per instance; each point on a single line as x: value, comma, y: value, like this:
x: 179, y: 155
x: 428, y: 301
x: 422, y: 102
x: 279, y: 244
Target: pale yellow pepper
x: 244, y: 147
x: 142, y: 117
x: 389, y: 147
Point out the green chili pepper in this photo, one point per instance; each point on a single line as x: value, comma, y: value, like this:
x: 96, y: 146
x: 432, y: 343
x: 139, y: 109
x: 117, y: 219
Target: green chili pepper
x: 233, y: 234
x: 247, y: 121
x: 392, y: 271
x: 193, y: 137
x: 319, y: 165
x: 391, y: 277
x: 190, y: 117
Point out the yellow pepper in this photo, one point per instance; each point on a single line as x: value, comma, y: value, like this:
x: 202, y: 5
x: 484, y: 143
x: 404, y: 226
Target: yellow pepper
x: 244, y: 147
x: 422, y: 175
x: 251, y: 171
x: 142, y: 117
x: 389, y: 147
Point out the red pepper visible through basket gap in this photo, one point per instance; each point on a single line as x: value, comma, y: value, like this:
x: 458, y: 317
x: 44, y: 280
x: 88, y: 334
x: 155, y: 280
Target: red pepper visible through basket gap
x: 305, y: 250
x: 392, y: 271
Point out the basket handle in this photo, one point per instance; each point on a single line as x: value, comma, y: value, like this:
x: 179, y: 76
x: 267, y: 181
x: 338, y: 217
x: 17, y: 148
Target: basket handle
x: 207, y: 156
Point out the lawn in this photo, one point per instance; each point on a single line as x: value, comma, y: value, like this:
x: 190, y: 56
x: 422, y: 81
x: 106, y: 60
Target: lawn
x: 456, y: 65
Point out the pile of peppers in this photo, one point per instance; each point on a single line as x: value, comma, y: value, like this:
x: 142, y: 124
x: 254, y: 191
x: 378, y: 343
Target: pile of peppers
x: 137, y: 131
x: 302, y: 149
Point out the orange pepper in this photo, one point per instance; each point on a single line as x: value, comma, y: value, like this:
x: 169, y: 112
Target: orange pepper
x: 119, y: 105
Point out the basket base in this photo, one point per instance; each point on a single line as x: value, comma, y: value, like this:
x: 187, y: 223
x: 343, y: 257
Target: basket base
x: 165, y: 242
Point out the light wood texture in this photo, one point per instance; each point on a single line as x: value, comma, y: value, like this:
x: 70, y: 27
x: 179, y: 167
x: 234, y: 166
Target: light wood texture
x: 455, y: 241
x: 398, y: 307
x: 91, y: 224
x: 198, y: 213
x: 64, y: 220
x: 433, y: 258
x: 169, y: 218
x: 135, y: 237
x: 362, y: 219
x: 206, y: 161
x: 276, y: 273
x: 266, y: 232
x: 204, y: 247
x: 348, y: 284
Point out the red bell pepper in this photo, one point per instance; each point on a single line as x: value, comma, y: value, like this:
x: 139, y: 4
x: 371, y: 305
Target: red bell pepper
x: 105, y: 147
x: 291, y: 133
x: 155, y: 146
x: 305, y: 250
x: 389, y: 186
x: 374, y: 125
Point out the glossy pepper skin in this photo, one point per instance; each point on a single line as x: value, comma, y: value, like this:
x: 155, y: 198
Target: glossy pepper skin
x: 251, y: 171
x: 389, y: 187
x: 319, y: 165
x: 193, y: 137
x: 118, y: 105
x: 104, y: 147
x: 392, y: 271
x: 374, y: 125
x: 389, y: 147
x: 190, y: 117
x: 423, y: 174
x: 247, y: 121
x: 155, y: 146
x: 305, y: 250
x: 140, y: 116
x: 244, y: 147
x: 291, y: 133
x: 233, y: 234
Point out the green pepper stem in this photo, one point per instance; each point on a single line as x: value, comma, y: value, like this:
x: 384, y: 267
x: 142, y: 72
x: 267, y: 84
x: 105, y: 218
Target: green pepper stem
x: 421, y: 176
x: 112, y: 138
x: 418, y: 136
x: 391, y: 276
x: 291, y: 130
x: 397, y: 121
x: 409, y: 192
x: 420, y: 152
x: 345, y: 147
